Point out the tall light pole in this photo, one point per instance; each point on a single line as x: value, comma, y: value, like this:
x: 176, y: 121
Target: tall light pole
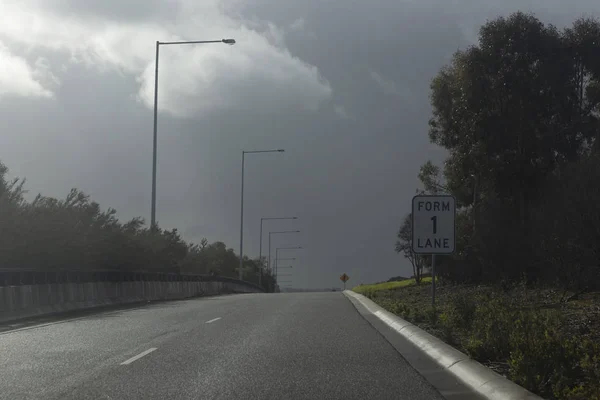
x: 277, y: 264
x: 158, y: 44
x: 272, y: 233
x: 241, y: 274
x: 260, y: 244
x: 277, y: 255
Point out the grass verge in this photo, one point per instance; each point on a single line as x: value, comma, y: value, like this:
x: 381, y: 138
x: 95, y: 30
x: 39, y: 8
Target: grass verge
x: 532, y: 336
x: 375, y: 287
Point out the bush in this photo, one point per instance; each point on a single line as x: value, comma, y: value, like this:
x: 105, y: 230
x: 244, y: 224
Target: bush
x: 447, y: 328
x: 491, y: 329
x: 431, y: 314
x: 544, y: 360
x: 542, y: 357
x: 75, y: 234
x: 461, y: 312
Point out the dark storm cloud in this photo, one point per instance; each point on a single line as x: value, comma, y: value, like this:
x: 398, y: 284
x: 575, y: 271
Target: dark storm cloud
x: 349, y: 175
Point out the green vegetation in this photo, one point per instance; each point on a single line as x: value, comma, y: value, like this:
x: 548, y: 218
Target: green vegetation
x: 366, y: 289
x: 528, y: 335
x: 519, y: 117
x: 74, y: 234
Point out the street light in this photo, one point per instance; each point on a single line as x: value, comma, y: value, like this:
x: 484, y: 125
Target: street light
x: 272, y: 233
x: 277, y: 255
x: 158, y: 44
x: 260, y: 243
x: 241, y: 274
x: 281, y: 259
x: 276, y: 264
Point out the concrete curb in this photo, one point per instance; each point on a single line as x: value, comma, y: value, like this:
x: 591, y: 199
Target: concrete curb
x: 482, y: 380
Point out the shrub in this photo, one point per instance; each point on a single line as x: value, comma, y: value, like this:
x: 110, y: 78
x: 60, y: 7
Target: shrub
x: 546, y: 361
x: 417, y: 315
x: 431, y: 314
x: 75, y: 234
x: 491, y: 328
x: 461, y: 312
x: 447, y: 328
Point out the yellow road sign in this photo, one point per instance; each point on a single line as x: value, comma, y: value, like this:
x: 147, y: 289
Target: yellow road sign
x: 344, y: 278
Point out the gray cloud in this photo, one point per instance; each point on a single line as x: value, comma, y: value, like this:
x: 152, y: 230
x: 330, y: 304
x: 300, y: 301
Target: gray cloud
x: 386, y: 85
x: 195, y: 79
x: 350, y: 180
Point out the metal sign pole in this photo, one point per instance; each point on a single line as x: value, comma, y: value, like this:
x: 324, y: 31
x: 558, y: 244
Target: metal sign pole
x: 433, y: 280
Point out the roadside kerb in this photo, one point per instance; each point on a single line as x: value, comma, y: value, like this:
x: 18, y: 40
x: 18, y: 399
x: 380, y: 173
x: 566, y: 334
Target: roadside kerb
x: 481, y: 379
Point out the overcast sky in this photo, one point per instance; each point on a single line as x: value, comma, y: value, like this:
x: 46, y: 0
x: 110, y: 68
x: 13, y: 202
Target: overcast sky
x: 342, y: 86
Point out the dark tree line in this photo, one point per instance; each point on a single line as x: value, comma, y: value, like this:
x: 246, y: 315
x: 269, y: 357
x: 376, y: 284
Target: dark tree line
x: 518, y: 114
x: 75, y: 234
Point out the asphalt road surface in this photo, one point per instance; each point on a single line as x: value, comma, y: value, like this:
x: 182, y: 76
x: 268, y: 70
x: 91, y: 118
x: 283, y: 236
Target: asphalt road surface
x: 256, y: 346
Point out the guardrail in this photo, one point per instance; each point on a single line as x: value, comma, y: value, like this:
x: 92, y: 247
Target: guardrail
x: 14, y: 277
x: 33, y: 293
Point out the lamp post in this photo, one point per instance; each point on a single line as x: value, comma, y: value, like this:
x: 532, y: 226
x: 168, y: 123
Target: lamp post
x: 155, y: 136
x: 277, y: 255
x: 241, y: 274
x: 276, y: 266
x: 273, y: 233
x: 260, y: 243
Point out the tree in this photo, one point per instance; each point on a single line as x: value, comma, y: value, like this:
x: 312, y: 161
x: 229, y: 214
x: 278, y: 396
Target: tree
x: 568, y: 225
x: 511, y: 111
x: 505, y: 109
x: 430, y: 177
x: 75, y: 234
x: 404, y: 246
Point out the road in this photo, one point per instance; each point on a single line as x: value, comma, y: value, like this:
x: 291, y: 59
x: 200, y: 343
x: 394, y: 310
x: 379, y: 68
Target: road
x: 256, y: 346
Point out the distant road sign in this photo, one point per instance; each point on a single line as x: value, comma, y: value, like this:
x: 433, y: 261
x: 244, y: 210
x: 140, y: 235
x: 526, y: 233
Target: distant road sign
x: 344, y: 278
x: 433, y: 224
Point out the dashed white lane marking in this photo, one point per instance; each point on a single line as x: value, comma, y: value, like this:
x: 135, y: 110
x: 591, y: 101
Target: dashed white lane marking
x: 213, y: 320
x: 142, y: 354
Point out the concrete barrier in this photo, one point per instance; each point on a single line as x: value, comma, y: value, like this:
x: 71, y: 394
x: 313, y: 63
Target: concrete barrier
x: 24, y: 301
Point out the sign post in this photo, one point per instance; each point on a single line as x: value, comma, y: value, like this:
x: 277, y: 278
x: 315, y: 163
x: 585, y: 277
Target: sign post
x: 344, y: 278
x: 433, y: 228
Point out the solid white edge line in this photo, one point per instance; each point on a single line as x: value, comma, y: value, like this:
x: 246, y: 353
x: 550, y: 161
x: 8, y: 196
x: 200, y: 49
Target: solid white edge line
x: 142, y: 354
x: 483, y: 380
x: 213, y: 320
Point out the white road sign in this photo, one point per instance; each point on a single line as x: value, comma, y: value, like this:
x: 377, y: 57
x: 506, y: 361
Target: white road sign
x: 433, y: 224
